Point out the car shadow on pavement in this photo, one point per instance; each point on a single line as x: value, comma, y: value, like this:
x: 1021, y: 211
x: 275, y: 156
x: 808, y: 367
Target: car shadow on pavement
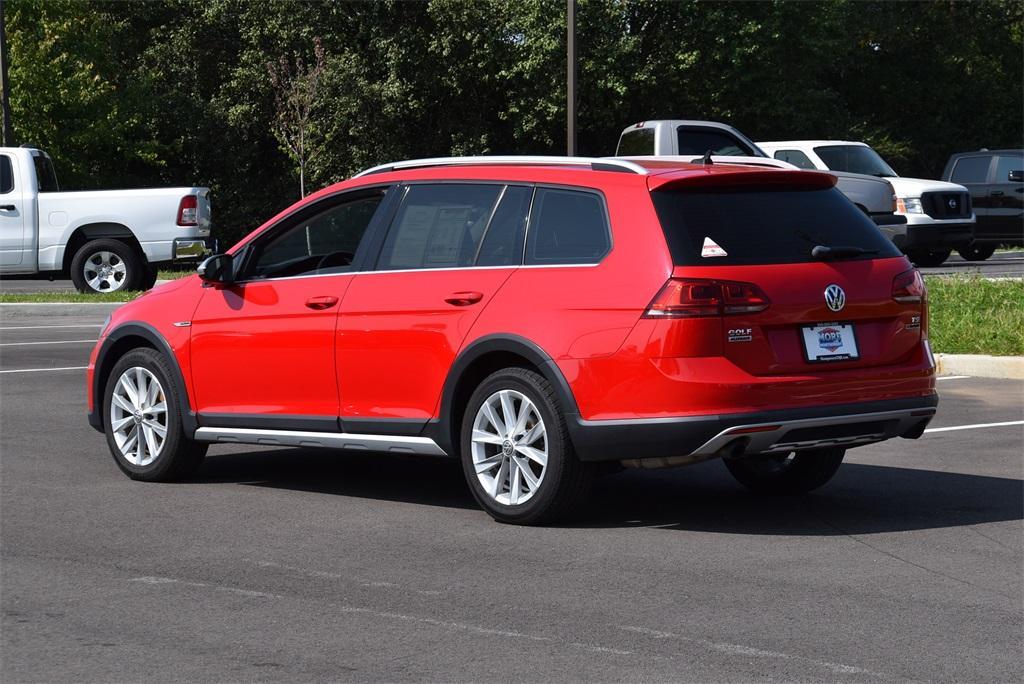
x: 861, y: 499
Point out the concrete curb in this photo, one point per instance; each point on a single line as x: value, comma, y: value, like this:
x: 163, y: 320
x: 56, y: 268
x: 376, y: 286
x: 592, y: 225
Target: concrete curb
x: 981, y: 366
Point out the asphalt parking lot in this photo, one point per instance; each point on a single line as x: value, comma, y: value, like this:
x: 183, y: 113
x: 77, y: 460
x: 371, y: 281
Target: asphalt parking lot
x: 289, y: 564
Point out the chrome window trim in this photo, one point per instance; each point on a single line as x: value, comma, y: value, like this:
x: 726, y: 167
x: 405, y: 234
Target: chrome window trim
x: 413, y: 270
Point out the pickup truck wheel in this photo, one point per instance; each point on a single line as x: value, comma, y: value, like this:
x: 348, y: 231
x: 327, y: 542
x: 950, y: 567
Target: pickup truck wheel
x: 148, y: 278
x: 142, y: 420
x: 107, y: 266
x: 977, y: 252
x: 929, y: 257
x: 788, y: 473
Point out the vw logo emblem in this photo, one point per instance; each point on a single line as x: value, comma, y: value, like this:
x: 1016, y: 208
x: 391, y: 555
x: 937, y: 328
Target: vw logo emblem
x: 952, y: 203
x: 835, y: 297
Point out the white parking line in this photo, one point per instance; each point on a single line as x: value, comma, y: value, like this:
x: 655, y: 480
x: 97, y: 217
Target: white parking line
x: 28, y: 344
x: 43, y: 370
x: 952, y: 377
x: 973, y: 427
x: 49, y: 327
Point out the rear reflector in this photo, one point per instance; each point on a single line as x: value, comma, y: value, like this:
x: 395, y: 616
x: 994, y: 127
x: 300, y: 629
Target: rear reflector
x: 693, y: 297
x: 188, y: 211
x: 908, y: 287
x: 759, y: 428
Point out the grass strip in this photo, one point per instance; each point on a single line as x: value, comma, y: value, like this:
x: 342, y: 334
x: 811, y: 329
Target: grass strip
x: 974, y: 315
x: 69, y: 297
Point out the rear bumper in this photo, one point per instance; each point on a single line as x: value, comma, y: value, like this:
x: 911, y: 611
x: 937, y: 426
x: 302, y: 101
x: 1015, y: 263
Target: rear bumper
x: 193, y: 249
x: 674, y: 441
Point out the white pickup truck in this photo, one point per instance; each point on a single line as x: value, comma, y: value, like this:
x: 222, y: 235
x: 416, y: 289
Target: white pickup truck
x: 105, y: 240
x: 687, y: 140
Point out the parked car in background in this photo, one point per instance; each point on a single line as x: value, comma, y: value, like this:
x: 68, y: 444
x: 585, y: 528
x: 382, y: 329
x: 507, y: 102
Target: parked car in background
x: 939, y: 214
x: 688, y: 140
x: 106, y: 240
x: 534, y: 317
x: 995, y: 179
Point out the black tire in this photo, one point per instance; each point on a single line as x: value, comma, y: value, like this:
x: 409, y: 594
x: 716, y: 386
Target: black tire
x: 149, y: 279
x: 929, y: 257
x: 977, y: 252
x: 564, y: 481
x: 135, y: 266
x: 794, y: 473
x: 178, y: 456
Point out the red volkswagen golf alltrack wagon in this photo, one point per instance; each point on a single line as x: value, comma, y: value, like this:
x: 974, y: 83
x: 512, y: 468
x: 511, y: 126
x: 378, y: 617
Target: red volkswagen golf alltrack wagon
x: 533, y: 317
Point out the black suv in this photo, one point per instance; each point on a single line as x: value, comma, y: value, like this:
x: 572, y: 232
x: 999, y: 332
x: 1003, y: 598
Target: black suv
x: 995, y: 179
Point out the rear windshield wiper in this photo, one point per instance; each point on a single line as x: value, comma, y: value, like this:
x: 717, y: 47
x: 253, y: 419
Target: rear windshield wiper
x: 824, y: 252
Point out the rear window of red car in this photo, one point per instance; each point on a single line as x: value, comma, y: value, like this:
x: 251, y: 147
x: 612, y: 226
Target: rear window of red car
x: 762, y: 225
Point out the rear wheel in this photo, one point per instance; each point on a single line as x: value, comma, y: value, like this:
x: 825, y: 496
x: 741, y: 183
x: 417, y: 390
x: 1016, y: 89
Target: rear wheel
x: 793, y: 473
x: 977, y: 252
x: 929, y: 257
x: 516, y: 453
x: 107, y: 266
x: 142, y: 420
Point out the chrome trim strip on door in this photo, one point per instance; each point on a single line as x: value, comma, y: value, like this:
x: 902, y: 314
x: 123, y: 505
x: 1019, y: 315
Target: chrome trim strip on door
x: 330, y: 440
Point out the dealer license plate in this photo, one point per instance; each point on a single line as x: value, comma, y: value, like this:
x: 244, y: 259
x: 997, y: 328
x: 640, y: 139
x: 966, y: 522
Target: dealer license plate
x: 830, y: 342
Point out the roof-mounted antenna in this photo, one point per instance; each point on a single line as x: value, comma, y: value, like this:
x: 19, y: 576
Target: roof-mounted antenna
x: 707, y: 159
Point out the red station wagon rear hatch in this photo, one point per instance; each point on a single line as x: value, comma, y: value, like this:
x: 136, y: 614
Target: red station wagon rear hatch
x: 792, y: 236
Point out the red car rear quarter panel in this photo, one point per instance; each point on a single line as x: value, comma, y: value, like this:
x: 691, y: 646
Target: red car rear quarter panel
x: 581, y: 314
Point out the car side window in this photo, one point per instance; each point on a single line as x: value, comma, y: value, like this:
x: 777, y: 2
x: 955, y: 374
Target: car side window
x: 6, y: 175
x: 971, y: 170
x: 324, y: 241
x: 1005, y: 164
x: 796, y: 158
x: 439, y: 226
x: 567, y: 227
x: 503, y: 241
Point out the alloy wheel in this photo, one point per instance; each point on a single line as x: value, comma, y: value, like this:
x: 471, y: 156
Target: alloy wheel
x: 509, y: 447
x: 105, y: 272
x: 138, y: 416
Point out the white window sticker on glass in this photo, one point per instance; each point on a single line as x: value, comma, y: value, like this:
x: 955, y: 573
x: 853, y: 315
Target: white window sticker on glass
x: 711, y: 249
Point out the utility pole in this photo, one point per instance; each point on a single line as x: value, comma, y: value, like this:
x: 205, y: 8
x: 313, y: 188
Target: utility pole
x: 5, y: 91
x: 570, y: 91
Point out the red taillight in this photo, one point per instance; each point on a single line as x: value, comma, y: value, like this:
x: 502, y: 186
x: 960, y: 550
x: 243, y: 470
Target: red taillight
x: 188, y: 211
x: 908, y: 287
x: 689, y: 297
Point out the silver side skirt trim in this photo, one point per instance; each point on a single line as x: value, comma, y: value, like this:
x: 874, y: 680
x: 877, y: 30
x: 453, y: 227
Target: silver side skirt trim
x: 330, y: 440
x: 775, y: 440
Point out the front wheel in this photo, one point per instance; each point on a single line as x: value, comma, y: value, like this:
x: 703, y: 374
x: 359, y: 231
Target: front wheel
x: 142, y: 420
x: 929, y: 257
x: 516, y: 453
x: 976, y: 252
x: 789, y: 473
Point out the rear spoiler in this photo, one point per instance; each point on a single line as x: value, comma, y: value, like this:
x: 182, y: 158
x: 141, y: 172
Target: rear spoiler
x: 739, y: 176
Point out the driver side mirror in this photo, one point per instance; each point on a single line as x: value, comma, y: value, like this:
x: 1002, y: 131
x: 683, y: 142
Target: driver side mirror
x: 1016, y: 176
x: 217, y: 270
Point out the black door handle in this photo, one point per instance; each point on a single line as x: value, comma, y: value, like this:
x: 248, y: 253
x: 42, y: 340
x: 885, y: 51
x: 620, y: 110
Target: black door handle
x: 7, y: 207
x: 996, y: 193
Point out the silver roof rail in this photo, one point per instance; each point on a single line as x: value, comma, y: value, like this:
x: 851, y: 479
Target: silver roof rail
x: 605, y: 164
x: 715, y: 159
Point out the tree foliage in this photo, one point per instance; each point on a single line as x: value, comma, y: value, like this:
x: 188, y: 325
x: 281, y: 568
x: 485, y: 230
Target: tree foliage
x: 144, y: 93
